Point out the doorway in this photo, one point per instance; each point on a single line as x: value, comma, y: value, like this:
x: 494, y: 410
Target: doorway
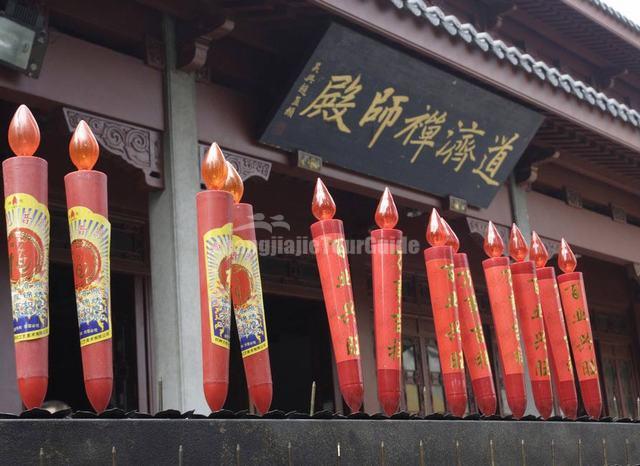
x: 66, y: 382
x: 299, y: 351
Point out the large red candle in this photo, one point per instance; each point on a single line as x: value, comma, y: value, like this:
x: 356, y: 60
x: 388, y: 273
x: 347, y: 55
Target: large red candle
x: 331, y: 256
x: 90, y: 233
x: 557, y: 342
x: 527, y: 297
x: 576, y: 313
x: 473, y: 342
x: 503, y: 309
x: 246, y: 294
x: 386, y: 258
x: 215, y: 228
x: 442, y: 290
x: 28, y: 224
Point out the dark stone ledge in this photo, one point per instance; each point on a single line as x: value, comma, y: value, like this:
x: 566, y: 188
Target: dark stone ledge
x: 315, y: 441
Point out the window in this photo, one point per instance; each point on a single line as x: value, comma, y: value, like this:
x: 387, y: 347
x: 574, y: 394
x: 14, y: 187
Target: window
x: 618, y: 379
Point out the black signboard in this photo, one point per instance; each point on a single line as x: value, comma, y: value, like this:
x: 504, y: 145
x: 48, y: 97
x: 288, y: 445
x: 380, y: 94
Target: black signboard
x: 368, y: 107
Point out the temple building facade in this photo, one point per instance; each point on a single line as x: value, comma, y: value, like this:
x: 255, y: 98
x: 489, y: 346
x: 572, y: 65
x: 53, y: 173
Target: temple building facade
x: 510, y: 111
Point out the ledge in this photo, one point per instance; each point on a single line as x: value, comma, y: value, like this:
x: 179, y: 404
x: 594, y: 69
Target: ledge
x: 316, y: 441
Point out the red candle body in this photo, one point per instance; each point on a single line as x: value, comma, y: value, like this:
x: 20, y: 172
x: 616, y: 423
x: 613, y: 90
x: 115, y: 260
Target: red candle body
x: 473, y: 342
x: 576, y: 314
x: 246, y: 293
x: 527, y: 296
x: 215, y: 229
x: 90, y: 233
x: 386, y: 257
x: 442, y: 289
x: 505, y: 321
x: 331, y: 255
x: 28, y: 225
x: 558, y: 345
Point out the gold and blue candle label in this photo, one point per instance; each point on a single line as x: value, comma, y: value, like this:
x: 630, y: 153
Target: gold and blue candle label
x: 246, y: 290
x: 90, y: 250
x: 217, y: 249
x: 28, y: 227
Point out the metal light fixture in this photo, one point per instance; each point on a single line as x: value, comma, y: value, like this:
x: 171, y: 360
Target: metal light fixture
x: 23, y: 37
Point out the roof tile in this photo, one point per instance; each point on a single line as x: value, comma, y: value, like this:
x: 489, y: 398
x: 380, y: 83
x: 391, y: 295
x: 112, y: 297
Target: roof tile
x: 540, y: 69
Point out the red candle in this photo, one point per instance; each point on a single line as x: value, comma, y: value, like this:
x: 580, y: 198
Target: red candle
x: 331, y: 255
x: 215, y: 228
x: 386, y: 257
x: 473, y: 342
x: 246, y: 294
x: 576, y: 313
x: 557, y: 342
x: 90, y: 233
x: 28, y: 224
x: 442, y: 289
x: 505, y: 321
x: 527, y: 297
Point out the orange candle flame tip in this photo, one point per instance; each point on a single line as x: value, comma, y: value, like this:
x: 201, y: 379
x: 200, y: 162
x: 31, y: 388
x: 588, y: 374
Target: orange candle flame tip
x: 214, y: 168
x: 452, y: 238
x: 518, y: 248
x: 233, y: 183
x: 24, y: 134
x: 83, y: 147
x: 538, y: 252
x: 386, y: 214
x: 493, y: 245
x: 566, y: 258
x: 436, y: 231
x: 322, y: 206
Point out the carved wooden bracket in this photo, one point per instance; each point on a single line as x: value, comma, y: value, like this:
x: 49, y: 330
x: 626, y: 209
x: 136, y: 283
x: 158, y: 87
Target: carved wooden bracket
x: 607, y: 77
x: 193, y: 50
x: 246, y: 166
x: 139, y: 147
x: 480, y: 227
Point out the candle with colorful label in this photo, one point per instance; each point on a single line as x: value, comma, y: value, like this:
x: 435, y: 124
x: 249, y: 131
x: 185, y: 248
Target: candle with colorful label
x: 386, y: 263
x: 246, y: 295
x: 444, y: 304
x: 335, y: 278
x: 90, y: 234
x: 474, y: 345
x: 557, y: 341
x: 576, y: 314
x: 527, y: 297
x: 215, y: 230
x: 503, y: 309
x: 28, y: 224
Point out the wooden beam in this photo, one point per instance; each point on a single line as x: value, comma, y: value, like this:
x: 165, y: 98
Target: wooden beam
x: 82, y: 75
x: 608, y: 22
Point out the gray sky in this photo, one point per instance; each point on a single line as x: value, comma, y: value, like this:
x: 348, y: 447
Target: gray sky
x: 629, y: 8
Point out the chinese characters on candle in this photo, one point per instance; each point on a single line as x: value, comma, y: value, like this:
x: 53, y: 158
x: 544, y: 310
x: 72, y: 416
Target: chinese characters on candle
x: 444, y: 304
x: 473, y: 342
x: 527, y: 298
x: 386, y: 256
x: 505, y: 321
x: 576, y: 315
x: 558, y: 345
x: 335, y: 278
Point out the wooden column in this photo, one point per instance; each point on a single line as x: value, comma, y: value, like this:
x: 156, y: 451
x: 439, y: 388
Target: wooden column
x: 175, y: 320
x: 520, y: 216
